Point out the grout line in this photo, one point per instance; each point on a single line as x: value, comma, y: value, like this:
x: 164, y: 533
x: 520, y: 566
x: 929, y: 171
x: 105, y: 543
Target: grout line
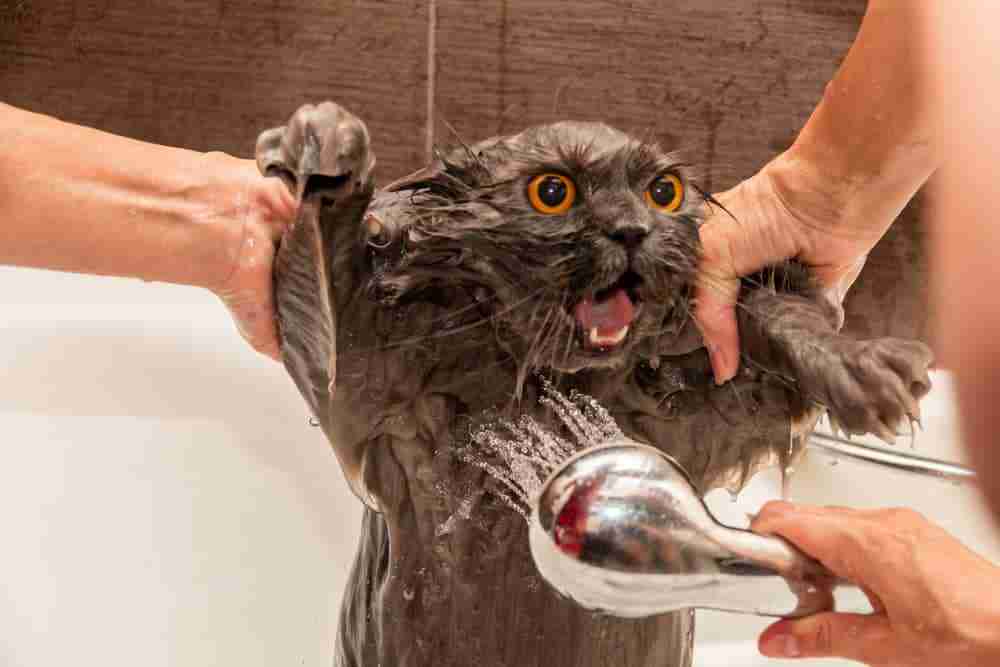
x: 431, y: 75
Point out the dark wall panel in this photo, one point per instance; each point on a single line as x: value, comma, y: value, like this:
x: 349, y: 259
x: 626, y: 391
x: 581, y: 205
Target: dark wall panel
x: 728, y: 81
x: 211, y: 75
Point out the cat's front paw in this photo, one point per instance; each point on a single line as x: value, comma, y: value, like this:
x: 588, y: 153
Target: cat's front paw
x: 871, y: 386
x: 323, y: 150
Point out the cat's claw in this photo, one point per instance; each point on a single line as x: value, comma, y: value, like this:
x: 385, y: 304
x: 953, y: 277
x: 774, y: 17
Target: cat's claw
x: 835, y: 427
x: 871, y: 386
x: 324, y: 158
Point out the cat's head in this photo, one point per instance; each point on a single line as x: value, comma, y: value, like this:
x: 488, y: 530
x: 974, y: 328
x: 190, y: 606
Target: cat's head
x: 582, y: 241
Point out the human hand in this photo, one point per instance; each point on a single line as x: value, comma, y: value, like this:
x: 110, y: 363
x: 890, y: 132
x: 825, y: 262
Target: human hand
x: 935, y: 600
x: 253, y: 212
x: 790, y: 209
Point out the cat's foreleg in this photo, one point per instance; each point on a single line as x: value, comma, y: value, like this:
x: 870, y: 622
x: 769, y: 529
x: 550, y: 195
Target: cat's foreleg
x: 868, y: 386
x: 323, y: 156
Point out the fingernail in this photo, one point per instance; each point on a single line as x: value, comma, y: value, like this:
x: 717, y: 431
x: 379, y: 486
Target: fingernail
x: 779, y: 507
x: 718, y: 359
x: 781, y: 646
x: 775, y: 509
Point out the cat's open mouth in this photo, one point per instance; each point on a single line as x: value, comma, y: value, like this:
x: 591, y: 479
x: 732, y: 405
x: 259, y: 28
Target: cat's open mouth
x: 604, y: 319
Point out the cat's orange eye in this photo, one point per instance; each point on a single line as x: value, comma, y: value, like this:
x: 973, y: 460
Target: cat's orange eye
x: 551, y: 194
x: 666, y: 193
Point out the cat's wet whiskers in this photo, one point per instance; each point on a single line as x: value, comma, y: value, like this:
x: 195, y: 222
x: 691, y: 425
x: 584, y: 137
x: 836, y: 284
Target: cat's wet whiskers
x: 417, y: 340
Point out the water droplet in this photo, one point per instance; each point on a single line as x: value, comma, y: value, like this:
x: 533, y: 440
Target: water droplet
x: 313, y: 422
x: 521, y: 455
x: 408, y: 594
x: 786, y: 482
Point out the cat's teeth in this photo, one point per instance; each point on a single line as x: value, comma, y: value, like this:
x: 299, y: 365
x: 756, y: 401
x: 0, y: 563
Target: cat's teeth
x: 597, y: 340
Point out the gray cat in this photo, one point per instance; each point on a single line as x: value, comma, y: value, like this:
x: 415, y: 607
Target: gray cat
x: 567, y: 251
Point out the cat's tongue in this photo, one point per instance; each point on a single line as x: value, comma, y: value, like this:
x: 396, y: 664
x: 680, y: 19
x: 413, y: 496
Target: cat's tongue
x: 605, y: 321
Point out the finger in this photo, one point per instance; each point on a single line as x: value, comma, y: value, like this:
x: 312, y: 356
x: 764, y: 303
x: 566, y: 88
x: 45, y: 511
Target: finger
x: 270, y: 200
x: 874, y: 600
x: 255, y: 323
x: 717, y: 288
x: 837, y: 537
x: 777, y: 508
x: 771, y: 509
x: 279, y: 208
x: 250, y: 293
x: 867, y: 639
x: 251, y: 302
x: 715, y: 315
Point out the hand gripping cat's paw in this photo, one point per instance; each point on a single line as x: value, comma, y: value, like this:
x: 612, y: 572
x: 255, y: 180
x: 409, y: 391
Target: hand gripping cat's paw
x: 871, y: 386
x: 323, y: 150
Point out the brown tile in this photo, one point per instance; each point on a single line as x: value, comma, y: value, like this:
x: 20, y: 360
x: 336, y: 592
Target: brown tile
x: 211, y: 75
x: 728, y: 81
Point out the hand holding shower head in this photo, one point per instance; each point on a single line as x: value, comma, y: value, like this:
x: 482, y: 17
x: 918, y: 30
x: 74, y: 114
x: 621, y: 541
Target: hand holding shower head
x: 620, y: 528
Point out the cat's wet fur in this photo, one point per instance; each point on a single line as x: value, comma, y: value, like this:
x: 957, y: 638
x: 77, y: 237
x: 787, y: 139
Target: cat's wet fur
x: 408, y: 313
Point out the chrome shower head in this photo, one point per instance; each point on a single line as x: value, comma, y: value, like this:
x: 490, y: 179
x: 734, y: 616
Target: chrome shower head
x: 619, y: 528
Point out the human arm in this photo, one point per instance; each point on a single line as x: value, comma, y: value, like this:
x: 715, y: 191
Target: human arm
x: 76, y: 199
x: 828, y: 199
x: 935, y: 600
x: 965, y: 236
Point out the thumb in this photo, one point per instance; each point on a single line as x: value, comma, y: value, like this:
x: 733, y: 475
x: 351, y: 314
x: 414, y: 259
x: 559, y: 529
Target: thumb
x: 253, y: 313
x: 716, y: 289
x: 715, y: 314
x: 864, y: 638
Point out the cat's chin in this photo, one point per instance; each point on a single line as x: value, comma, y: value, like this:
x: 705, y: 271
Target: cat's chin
x: 577, y: 365
x: 585, y: 358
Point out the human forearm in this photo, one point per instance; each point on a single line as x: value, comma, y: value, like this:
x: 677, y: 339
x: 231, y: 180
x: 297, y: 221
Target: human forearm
x: 965, y: 237
x: 871, y: 143
x: 77, y: 199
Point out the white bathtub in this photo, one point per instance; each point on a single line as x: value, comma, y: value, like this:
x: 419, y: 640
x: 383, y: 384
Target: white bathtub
x: 164, y: 501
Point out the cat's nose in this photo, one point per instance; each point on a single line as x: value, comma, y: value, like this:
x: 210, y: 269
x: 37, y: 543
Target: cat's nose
x: 629, y: 235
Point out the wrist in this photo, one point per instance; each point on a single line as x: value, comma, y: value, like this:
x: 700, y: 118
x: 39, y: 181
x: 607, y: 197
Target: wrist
x: 870, y: 144
x: 235, y: 217
x: 830, y: 200
x: 217, y: 213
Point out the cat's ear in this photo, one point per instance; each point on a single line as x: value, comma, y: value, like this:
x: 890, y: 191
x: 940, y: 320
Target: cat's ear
x: 420, y: 179
x: 323, y: 156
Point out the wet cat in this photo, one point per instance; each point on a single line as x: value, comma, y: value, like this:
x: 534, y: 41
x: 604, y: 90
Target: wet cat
x: 567, y: 250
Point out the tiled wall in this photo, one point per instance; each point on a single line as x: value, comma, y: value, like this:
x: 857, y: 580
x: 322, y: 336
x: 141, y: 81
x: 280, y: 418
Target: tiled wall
x: 728, y: 81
